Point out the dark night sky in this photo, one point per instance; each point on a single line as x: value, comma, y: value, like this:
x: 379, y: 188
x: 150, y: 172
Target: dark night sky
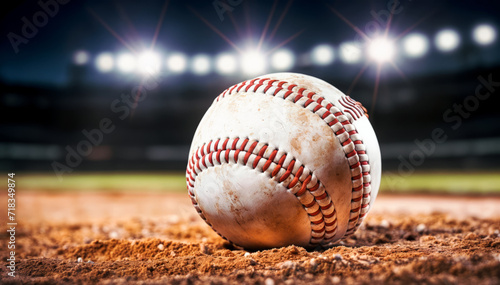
x: 45, y: 58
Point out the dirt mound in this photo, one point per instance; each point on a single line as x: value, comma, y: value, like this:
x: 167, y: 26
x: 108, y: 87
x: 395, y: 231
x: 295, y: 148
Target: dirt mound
x: 400, y: 249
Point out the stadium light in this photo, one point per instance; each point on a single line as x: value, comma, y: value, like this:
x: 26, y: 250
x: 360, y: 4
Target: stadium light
x: 484, y: 34
x: 282, y: 59
x: 225, y: 63
x: 253, y: 62
x: 104, y: 62
x: 81, y: 57
x: 126, y: 63
x: 201, y: 64
x: 350, y: 52
x: 415, y: 45
x: 177, y: 62
x: 322, y: 55
x: 148, y: 62
x: 381, y: 50
x: 447, y: 40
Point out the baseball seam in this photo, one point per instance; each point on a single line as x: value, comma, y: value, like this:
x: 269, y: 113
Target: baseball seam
x: 279, y: 165
x: 338, y: 121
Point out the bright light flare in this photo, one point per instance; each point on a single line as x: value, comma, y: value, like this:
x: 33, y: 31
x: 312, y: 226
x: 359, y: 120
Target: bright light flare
x: 126, y: 63
x: 201, y: 64
x: 282, y: 59
x: 225, y: 63
x: 484, y: 34
x: 447, y: 40
x: 177, y: 62
x: 415, y: 45
x: 81, y: 57
x: 350, y: 52
x: 322, y: 55
x: 104, y: 62
x: 253, y: 62
x: 381, y: 50
x: 149, y: 62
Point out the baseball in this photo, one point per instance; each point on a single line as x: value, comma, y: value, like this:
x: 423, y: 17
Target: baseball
x: 284, y: 159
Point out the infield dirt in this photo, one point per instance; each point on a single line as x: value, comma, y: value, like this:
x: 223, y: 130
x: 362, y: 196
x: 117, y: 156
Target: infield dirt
x: 158, y: 238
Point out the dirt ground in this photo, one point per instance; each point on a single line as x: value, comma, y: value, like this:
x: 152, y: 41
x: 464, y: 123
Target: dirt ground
x: 158, y: 238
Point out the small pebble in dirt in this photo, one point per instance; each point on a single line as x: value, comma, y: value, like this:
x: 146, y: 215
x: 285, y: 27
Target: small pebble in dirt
x: 337, y: 257
x: 90, y: 261
x: 288, y: 264
x: 471, y: 236
x: 173, y: 219
x: 79, y: 260
x: 113, y: 235
x: 313, y: 262
x: 335, y: 279
x: 252, y: 261
x: 421, y: 228
x: 247, y: 254
x: 269, y: 281
x: 203, y: 248
x: 161, y: 246
x: 385, y: 224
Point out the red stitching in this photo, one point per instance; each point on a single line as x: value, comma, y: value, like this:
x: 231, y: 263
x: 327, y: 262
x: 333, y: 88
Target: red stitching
x: 326, y: 114
x: 234, y: 143
x: 250, y: 84
x: 218, y: 156
x: 322, y: 196
x: 263, y: 150
x: 331, y: 215
x: 210, y: 159
x: 330, y: 224
x: 231, y: 90
x: 318, y: 222
x: 288, y: 171
x: 217, y: 144
x: 278, y: 167
x: 256, y: 161
x: 241, y: 86
x: 345, y: 101
x: 310, y: 204
x: 348, y: 141
x: 236, y: 153
x: 225, y: 143
x: 203, y: 161
x: 269, y: 160
x: 269, y: 85
x: 308, y: 102
x: 316, y: 213
x: 315, y: 187
x: 288, y: 93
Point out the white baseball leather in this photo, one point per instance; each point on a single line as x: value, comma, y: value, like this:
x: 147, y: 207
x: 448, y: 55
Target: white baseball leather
x: 283, y: 159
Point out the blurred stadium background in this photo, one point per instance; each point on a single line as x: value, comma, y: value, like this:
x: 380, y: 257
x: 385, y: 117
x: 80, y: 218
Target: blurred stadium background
x: 415, y: 65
